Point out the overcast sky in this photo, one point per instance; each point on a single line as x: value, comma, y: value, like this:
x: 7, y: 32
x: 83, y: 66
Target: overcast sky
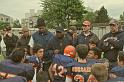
x: 114, y: 7
x: 18, y: 8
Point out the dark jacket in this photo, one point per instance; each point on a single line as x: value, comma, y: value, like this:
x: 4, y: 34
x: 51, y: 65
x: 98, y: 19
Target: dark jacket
x: 23, y: 42
x: 59, y: 44
x: 41, y: 75
x: 111, y: 44
x: 42, y: 38
x: 69, y: 35
x: 10, y: 43
x: 19, y: 69
x: 82, y: 39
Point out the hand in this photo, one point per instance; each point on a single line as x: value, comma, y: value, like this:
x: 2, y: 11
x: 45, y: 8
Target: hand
x: 107, y: 39
x: 110, y: 40
x: 74, y: 35
x: 10, y: 34
x: 5, y: 34
x: 58, y: 70
x: 56, y: 51
x: 112, y: 76
x: 105, y: 43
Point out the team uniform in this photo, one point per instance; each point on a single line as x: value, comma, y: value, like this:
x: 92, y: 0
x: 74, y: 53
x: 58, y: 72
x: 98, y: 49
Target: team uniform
x: 118, y: 79
x: 36, y: 62
x: 20, y: 69
x: 62, y: 60
x: 82, y: 71
x: 14, y: 79
x: 118, y: 71
x: 67, y: 57
x: 74, y: 68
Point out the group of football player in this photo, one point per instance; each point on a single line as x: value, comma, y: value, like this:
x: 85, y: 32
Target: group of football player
x: 83, y: 65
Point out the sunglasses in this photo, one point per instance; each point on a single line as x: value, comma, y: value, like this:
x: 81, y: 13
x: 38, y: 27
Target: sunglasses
x: 4, y: 30
x: 112, y: 25
x: 24, y: 32
x: 41, y: 28
x: 85, y: 25
x: 58, y: 31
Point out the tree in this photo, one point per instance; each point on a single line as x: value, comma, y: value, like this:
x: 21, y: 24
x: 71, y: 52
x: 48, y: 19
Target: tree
x: 16, y: 24
x: 4, y: 24
x: 90, y: 16
x: 60, y: 12
x: 102, y: 16
x: 122, y: 17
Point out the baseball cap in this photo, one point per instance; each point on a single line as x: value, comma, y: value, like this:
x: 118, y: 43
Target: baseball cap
x: 8, y: 28
x: 113, y: 21
x: 24, y: 29
x: 60, y: 29
x: 40, y: 22
x: 72, y: 28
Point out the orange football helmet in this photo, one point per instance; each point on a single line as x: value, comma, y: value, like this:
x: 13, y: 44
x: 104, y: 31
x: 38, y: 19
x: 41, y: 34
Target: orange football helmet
x: 70, y: 51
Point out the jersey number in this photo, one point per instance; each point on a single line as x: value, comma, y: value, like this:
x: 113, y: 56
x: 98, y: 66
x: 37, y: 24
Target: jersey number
x: 80, y: 78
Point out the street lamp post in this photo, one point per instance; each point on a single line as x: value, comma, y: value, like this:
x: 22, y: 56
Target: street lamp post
x: 31, y: 24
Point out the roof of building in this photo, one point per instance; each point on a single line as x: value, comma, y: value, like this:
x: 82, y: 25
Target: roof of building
x: 4, y: 15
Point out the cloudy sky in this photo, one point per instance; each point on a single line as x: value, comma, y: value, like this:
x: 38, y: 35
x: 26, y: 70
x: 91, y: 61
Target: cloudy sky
x: 18, y: 8
x: 114, y: 7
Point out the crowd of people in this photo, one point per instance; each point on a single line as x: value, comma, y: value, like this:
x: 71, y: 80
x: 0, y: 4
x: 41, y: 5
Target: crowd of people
x: 65, y: 56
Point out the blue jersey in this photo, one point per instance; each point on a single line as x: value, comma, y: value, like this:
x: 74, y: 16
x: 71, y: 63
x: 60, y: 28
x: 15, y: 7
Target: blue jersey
x: 14, y: 79
x: 33, y: 59
x: 62, y: 60
x: 118, y: 79
x: 82, y: 71
x: 118, y: 71
x: 25, y: 70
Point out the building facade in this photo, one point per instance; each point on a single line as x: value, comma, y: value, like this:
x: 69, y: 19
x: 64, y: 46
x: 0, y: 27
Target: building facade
x: 30, y: 19
x: 7, y: 19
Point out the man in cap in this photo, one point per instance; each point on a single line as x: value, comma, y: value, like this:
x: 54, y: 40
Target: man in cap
x: 85, y: 35
x: 15, y: 66
x: 112, y: 42
x: 71, y: 32
x: 24, y: 40
x: 59, y: 42
x: 42, y: 36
